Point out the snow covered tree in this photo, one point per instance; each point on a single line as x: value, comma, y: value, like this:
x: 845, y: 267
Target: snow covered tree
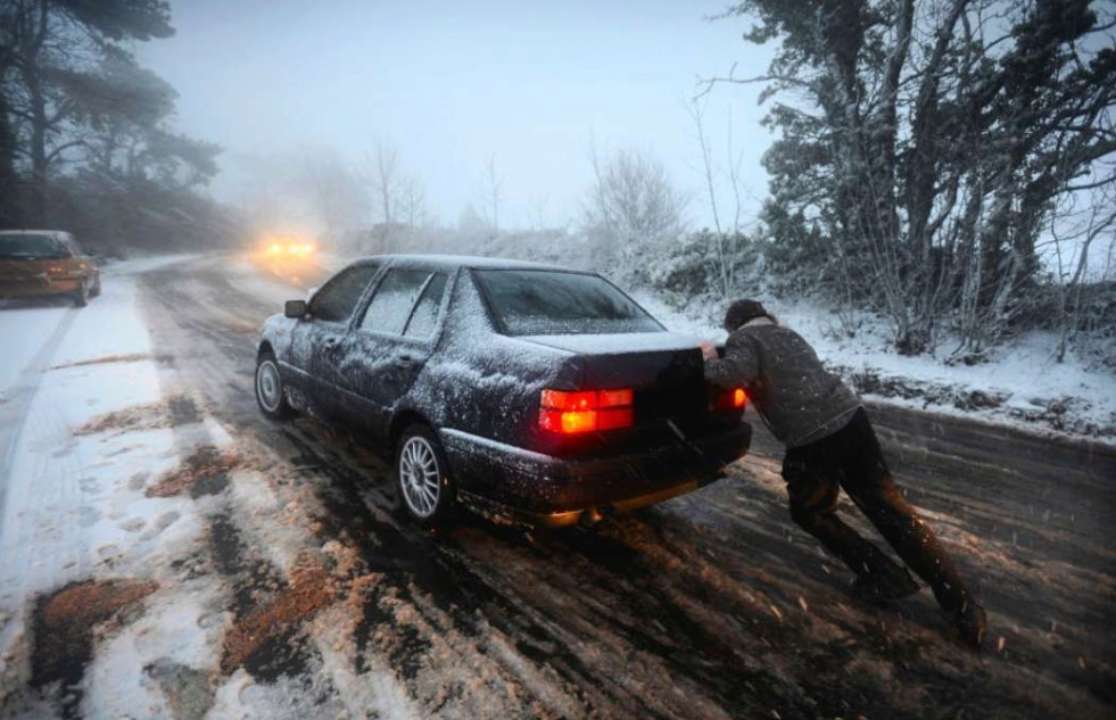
x: 926, y: 143
x: 632, y: 208
x: 85, y: 136
x: 50, y: 77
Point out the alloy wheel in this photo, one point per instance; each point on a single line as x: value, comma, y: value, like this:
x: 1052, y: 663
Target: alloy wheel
x: 419, y: 476
x: 268, y: 386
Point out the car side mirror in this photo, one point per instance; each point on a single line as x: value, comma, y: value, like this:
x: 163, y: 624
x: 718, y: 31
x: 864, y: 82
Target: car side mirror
x: 295, y: 309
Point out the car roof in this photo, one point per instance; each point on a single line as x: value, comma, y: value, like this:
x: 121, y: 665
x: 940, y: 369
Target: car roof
x: 450, y: 262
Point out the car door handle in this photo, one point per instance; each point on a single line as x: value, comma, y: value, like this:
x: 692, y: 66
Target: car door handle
x: 406, y: 360
x: 331, y: 342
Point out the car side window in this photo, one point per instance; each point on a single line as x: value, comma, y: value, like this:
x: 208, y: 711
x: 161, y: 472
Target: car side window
x: 391, y: 305
x: 424, y: 317
x: 335, y: 301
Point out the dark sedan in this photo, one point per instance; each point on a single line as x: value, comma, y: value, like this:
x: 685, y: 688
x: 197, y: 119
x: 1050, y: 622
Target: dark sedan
x: 520, y: 390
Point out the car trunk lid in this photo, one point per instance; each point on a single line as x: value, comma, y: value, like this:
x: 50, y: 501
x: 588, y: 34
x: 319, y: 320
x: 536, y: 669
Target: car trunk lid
x: 664, y: 370
x: 24, y: 271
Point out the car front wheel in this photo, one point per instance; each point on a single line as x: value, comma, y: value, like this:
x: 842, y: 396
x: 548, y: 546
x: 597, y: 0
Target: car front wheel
x: 423, y: 477
x: 269, y: 389
x: 81, y: 295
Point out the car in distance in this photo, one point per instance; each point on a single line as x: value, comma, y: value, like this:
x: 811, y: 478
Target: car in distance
x: 286, y: 247
x: 523, y: 391
x: 46, y: 263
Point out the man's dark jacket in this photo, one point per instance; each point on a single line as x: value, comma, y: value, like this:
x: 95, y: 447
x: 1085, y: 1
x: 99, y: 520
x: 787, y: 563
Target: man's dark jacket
x: 797, y: 397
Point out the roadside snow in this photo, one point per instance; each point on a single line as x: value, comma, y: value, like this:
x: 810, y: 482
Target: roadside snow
x: 26, y: 330
x: 73, y: 507
x: 145, y: 263
x: 1022, y: 386
x: 103, y: 446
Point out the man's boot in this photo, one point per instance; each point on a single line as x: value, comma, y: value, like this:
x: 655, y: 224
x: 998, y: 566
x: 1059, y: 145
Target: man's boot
x: 972, y: 624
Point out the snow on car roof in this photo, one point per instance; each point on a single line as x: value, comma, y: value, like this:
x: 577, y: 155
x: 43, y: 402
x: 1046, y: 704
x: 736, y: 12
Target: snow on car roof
x: 469, y: 261
x: 615, y: 343
x: 56, y: 234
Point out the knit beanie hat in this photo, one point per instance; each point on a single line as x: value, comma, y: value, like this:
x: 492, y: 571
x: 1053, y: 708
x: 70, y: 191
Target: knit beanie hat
x: 741, y: 311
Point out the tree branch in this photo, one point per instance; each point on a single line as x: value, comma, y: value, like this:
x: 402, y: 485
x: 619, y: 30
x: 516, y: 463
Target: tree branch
x: 56, y: 152
x: 707, y: 84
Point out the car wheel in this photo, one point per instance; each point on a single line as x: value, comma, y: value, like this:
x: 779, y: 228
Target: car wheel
x: 422, y: 474
x: 81, y: 295
x: 96, y: 291
x: 270, y: 395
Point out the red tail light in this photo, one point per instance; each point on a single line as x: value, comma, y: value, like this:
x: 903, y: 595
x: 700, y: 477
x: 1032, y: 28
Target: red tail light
x: 728, y: 400
x: 586, y: 410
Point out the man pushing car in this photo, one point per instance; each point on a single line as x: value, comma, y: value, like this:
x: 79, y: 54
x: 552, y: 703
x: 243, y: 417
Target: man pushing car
x: 831, y: 445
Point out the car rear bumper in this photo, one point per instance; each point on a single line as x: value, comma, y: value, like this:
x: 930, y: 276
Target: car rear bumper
x: 501, y: 479
x: 41, y: 288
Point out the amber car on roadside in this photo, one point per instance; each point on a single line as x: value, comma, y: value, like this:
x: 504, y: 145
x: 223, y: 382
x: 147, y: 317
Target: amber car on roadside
x: 46, y: 263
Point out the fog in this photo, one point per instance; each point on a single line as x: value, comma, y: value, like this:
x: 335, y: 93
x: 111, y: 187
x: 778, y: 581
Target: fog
x: 531, y: 89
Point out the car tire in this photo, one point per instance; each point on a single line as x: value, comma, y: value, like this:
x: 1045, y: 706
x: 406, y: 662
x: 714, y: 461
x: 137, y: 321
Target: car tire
x: 270, y: 393
x: 426, y: 489
x: 96, y: 290
x: 81, y: 295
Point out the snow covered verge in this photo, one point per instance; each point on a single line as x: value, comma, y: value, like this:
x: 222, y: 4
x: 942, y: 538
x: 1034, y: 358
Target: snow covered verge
x: 1022, y: 386
x: 141, y: 564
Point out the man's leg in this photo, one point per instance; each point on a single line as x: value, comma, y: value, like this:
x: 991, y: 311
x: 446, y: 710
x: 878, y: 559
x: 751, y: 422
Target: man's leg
x: 813, y: 485
x: 869, y: 483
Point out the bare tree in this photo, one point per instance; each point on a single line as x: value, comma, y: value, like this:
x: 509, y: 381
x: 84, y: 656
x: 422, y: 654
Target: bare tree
x: 1073, y: 233
x: 385, y: 181
x: 334, y: 192
x: 538, y: 211
x: 725, y: 236
x: 412, y: 203
x: 494, y: 192
x: 632, y: 207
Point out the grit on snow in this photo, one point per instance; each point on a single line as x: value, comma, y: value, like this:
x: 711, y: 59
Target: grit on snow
x: 165, y: 552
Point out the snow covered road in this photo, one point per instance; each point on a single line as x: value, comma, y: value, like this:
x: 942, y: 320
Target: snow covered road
x: 165, y: 552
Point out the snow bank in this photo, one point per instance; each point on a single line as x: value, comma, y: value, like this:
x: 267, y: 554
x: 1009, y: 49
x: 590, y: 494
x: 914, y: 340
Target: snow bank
x: 1022, y: 385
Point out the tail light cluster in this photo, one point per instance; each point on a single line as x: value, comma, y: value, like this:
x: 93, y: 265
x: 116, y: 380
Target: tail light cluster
x: 729, y: 400
x: 56, y: 271
x: 583, y: 411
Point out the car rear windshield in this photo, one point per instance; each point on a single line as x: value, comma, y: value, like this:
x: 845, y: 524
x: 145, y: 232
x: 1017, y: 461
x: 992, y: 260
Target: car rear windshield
x: 547, y: 302
x: 31, y: 245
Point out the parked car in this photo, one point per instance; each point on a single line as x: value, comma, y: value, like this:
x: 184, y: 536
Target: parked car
x: 520, y: 390
x: 46, y: 263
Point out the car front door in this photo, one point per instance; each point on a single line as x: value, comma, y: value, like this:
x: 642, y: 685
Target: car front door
x: 317, y: 341
x: 391, y: 342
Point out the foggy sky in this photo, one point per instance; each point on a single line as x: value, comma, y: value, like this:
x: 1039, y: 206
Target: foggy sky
x: 450, y: 84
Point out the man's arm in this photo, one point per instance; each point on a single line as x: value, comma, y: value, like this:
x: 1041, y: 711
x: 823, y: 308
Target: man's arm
x: 739, y: 366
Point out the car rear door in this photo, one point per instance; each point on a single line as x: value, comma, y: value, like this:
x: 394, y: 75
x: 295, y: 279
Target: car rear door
x: 317, y: 343
x: 390, y: 343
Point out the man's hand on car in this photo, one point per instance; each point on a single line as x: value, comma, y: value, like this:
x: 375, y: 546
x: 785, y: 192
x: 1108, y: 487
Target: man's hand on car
x: 708, y: 350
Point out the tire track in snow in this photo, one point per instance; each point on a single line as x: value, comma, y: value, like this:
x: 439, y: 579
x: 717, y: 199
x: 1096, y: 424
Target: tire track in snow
x: 252, y: 580
x: 14, y: 411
